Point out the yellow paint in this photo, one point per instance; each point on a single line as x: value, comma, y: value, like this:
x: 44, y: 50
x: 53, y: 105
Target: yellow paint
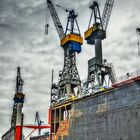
x: 88, y: 32
x: 60, y: 106
x: 71, y: 37
x: 72, y: 98
x: 91, y: 30
x: 102, y: 89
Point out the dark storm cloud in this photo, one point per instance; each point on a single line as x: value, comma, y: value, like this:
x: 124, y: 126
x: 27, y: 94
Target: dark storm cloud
x: 22, y: 43
x: 6, y: 27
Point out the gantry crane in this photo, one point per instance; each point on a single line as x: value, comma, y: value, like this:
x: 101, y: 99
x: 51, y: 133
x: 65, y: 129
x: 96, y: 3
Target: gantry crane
x: 97, y: 69
x: 71, y: 42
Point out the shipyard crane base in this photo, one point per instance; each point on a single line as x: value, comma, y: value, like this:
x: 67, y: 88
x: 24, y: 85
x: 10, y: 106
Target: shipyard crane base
x: 98, y: 73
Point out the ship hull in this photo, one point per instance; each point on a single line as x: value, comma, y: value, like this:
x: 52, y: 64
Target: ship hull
x: 110, y: 115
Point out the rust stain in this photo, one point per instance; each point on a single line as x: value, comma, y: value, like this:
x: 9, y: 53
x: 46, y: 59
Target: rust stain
x: 63, y: 129
x: 75, y: 113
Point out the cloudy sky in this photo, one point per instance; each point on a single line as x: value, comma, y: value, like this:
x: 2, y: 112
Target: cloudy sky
x: 23, y: 43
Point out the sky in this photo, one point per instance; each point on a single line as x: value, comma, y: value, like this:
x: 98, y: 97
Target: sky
x: 23, y: 43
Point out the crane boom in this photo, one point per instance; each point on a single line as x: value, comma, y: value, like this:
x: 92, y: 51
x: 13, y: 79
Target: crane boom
x: 56, y: 20
x: 106, y: 13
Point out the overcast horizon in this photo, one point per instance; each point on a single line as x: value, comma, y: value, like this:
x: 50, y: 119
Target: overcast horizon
x: 23, y: 43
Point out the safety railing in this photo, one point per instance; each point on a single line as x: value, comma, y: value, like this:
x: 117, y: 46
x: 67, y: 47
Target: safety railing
x: 128, y: 76
x: 88, y: 90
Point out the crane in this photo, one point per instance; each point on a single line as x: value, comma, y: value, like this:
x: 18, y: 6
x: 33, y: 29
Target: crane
x: 17, y: 115
x: 97, y: 67
x: 71, y: 42
x: 38, y: 121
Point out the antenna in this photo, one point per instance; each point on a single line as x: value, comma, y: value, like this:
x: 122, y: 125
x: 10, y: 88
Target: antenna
x: 47, y: 22
x: 138, y: 40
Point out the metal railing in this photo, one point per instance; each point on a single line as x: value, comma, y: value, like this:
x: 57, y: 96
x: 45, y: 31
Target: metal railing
x: 94, y: 89
x: 128, y: 76
x: 88, y: 89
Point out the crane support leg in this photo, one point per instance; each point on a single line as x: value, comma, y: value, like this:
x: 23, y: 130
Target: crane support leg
x: 70, y: 78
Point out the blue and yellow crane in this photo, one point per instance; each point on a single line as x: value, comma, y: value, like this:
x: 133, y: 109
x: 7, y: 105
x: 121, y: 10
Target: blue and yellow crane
x: 71, y: 42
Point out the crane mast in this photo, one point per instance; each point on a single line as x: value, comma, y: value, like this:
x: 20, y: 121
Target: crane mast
x: 71, y: 42
x: 17, y: 116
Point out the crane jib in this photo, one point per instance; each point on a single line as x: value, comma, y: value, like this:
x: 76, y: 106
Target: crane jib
x: 106, y: 13
x: 56, y: 19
